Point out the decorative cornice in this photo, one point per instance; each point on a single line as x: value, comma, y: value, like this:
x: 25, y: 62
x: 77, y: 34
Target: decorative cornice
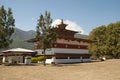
x: 61, y: 45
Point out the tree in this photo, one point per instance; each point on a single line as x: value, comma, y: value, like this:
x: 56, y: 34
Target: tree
x: 107, y: 41
x: 6, y: 27
x: 98, y: 48
x: 44, y: 35
x: 113, y: 39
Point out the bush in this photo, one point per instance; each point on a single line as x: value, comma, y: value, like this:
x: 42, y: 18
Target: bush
x: 36, y: 59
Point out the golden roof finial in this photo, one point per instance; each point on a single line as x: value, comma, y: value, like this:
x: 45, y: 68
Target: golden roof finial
x: 61, y: 21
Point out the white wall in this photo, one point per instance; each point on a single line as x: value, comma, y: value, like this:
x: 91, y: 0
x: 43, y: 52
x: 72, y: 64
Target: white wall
x: 48, y: 51
x: 63, y: 50
x: 68, y: 60
x: 49, y: 61
x: 28, y: 60
x: 70, y: 51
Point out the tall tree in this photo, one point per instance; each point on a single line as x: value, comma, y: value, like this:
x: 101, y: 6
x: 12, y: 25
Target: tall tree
x: 98, y: 48
x: 107, y: 40
x: 44, y: 35
x: 113, y: 39
x: 6, y: 27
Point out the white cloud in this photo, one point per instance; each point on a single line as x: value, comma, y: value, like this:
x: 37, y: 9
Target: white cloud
x: 70, y: 25
x: 56, y: 22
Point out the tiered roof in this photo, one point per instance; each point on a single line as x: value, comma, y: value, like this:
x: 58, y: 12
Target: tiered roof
x: 63, y: 33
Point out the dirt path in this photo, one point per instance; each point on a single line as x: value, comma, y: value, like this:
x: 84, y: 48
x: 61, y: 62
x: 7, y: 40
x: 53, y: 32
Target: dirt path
x: 107, y: 70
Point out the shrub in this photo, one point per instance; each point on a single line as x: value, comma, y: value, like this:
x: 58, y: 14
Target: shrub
x: 36, y: 59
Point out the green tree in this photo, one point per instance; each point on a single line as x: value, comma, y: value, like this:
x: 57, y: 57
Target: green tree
x: 107, y: 41
x: 98, y: 48
x: 6, y: 27
x: 113, y: 39
x: 44, y: 35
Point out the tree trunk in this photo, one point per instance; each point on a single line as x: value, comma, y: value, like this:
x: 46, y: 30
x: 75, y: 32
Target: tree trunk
x: 44, y: 57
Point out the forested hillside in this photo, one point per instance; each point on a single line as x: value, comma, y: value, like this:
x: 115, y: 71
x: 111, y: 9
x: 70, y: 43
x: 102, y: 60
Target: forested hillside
x: 81, y: 36
x: 19, y: 37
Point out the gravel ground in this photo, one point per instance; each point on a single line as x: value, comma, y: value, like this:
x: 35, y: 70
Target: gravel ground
x: 106, y: 70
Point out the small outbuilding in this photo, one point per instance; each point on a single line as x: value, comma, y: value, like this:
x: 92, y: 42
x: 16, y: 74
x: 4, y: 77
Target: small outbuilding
x: 18, y: 55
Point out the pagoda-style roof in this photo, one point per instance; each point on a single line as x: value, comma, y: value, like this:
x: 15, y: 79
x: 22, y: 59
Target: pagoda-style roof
x: 32, y: 40
x: 78, y: 39
x: 62, y: 31
x: 62, y: 25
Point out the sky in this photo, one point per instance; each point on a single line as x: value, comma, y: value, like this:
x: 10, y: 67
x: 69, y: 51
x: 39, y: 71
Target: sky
x: 85, y: 15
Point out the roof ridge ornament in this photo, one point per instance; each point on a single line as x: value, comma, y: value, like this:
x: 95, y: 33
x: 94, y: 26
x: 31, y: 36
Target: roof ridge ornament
x: 62, y: 21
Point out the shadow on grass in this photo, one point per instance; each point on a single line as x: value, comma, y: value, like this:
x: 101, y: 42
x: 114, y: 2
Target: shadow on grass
x: 66, y: 64
x: 75, y: 64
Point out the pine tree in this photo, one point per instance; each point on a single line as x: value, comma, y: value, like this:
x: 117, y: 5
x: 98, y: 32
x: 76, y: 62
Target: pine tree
x: 44, y: 35
x: 6, y: 27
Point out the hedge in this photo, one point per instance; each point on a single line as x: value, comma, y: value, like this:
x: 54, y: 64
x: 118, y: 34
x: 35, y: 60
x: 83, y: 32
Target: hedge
x: 36, y: 59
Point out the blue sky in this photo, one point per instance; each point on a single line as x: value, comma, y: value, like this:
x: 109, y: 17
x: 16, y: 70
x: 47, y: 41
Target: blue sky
x: 88, y: 14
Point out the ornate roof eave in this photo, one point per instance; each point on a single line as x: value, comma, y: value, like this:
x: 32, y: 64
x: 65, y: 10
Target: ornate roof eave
x: 56, y: 28
x: 32, y: 40
x: 63, y: 37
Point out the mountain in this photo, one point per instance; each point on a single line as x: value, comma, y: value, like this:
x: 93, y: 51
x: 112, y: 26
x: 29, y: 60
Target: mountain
x: 19, y: 37
x: 81, y: 36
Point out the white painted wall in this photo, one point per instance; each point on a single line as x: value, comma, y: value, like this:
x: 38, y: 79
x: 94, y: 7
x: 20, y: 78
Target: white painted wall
x: 63, y: 50
x: 49, y: 61
x: 68, y: 60
x: 48, y: 51
x: 70, y: 51
x: 4, y: 59
x: 87, y: 60
x: 28, y: 60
